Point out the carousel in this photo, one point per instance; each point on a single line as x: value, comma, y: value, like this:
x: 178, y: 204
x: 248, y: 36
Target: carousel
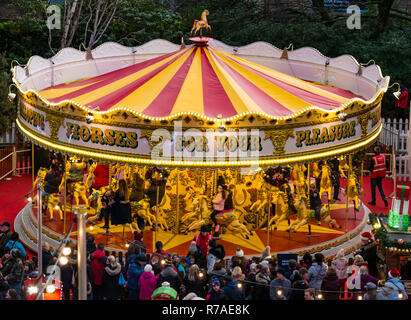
x: 176, y: 121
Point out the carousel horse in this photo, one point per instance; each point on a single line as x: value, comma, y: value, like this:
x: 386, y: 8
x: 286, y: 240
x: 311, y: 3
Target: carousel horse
x: 52, y: 201
x: 343, y: 166
x: 162, y: 223
x: 90, y: 174
x: 353, y: 190
x: 97, y: 195
x: 303, y: 213
x: 201, y: 24
x: 283, y: 212
x: 142, y: 209
x: 196, y: 210
x: 300, y: 183
x: 227, y: 219
x: 53, y: 204
x: 74, y: 170
x: 316, y: 170
x: 325, y: 183
x: 305, y: 216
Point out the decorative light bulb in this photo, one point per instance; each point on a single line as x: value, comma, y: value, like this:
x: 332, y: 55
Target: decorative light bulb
x: 400, y: 295
x: 63, y: 261
x: 50, y: 288
x: 320, y: 296
x: 29, y: 199
x: 66, y: 251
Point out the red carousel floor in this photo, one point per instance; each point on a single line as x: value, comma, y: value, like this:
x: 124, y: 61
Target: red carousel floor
x: 12, y: 200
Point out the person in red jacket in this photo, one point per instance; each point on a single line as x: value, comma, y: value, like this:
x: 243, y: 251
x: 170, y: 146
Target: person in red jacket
x: 378, y: 169
x: 98, y: 263
x: 402, y: 104
x: 202, y: 240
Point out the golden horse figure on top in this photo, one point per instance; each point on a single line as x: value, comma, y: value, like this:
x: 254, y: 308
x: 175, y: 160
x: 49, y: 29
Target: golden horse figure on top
x: 201, y: 24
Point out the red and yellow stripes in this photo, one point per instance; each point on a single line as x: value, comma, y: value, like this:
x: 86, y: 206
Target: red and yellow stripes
x: 202, y: 80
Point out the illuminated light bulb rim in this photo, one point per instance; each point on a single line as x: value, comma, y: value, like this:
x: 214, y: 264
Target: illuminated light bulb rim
x: 171, y: 163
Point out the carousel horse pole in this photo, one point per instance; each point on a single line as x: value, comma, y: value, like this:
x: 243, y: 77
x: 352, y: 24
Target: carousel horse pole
x: 346, y: 200
x: 65, y: 195
x: 157, y: 200
x: 268, y: 218
x: 178, y: 201
x: 308, y: 197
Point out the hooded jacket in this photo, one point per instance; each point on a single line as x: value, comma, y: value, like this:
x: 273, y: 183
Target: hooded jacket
x: 171, y: 276
x: 398, y: 287
x: 98, y: 262
x: 331, y: 283
x: 135, y: 270
x: 232, y: 292
x: 16, y: 273
x: 147, y: 284
x: 340, y: 265
x: 111, y: 288
x: 262, y: 289
x: 315, y: 275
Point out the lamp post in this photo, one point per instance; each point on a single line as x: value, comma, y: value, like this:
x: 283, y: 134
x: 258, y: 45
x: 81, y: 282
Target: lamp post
x: 81, y: 213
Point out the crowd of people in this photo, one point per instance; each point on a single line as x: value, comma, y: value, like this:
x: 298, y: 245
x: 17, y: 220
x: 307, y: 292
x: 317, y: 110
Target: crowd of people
x: 205, y: 273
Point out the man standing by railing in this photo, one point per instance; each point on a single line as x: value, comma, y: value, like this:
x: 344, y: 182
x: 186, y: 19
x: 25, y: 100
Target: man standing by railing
x: 378, y: 169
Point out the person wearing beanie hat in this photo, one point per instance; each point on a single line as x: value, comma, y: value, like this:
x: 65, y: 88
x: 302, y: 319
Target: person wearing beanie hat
x: 147, y: 283
x: 137, y: 246
x: 372, y: 293
x: 230, y: 290
x: 292, y: 265
x: 280, y: 282
x: 202, y: 240
x: 164, y: 293
x: 5, y: 235
x: 214, y: 293
x: 169, y: 274
x: 368, y: 251
x: 239, y: 260
x: 394, y: 281
x: 134, y: 272
x: 340, y: 264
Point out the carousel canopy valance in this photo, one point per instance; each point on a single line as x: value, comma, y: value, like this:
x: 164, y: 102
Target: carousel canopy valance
x: 203, y: 80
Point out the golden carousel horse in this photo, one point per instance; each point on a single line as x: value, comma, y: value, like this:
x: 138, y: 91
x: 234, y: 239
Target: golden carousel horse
x: 52, y: 201
x: 343, y: 166
x: 352, y: 191
x: 305, y: 216
x: 300, y: 183
x: 282, y: 209
x: 142, y: 209
x: 325, y: 183
x: 228, y: 219
x: 316, y: 170
x: 201, y: 24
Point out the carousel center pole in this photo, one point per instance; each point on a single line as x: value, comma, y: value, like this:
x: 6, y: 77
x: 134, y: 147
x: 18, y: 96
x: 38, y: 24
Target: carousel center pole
x: 346, y: 192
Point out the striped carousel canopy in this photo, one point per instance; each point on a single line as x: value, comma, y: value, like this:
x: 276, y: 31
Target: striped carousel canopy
x: 203, y: 80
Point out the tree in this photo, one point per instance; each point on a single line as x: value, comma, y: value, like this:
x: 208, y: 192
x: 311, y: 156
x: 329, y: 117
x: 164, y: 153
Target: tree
x: 7, y: 109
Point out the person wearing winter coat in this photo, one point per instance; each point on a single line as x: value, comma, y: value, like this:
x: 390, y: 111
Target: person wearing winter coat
x: 292, y: 265
x: 193, y: 282
x: 394, y: 282
x: 331, y: 283
x: 215, y: 252
x: 317, y: 271
x: 280, y: 282
x: 111, y: 273
x: 340, y: 264
x: 261, y: 288
x: 299, y: 284
x: 169, y: 275
x: 15, y: 277
x: 366, y: 278
x: 215, y: 292
x: 372, y: 292
x: 14, y: 243
x: 135, y: 270
x: 249, y: 285
x: 306, y: 261
x: 239, y: 260
x: 5, y: 234
x: 231, y: 290
x: 98, y: 263
x: 147, y: 283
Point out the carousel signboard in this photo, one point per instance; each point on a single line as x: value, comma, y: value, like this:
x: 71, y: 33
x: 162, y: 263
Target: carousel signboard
x: 184, y: 145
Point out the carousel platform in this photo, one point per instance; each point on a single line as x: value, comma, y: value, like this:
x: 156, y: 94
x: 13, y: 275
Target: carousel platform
x: 322, y: 238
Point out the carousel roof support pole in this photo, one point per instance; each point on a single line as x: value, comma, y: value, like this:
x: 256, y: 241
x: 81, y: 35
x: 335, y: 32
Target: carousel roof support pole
x: 346, y: 193
x: 268, y: 219
x: 32, y: 163
x: 157, y: 200
x: 65, y: 195
x: 81, y: 214
x: 308, y: 197
x: 178, y: 202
